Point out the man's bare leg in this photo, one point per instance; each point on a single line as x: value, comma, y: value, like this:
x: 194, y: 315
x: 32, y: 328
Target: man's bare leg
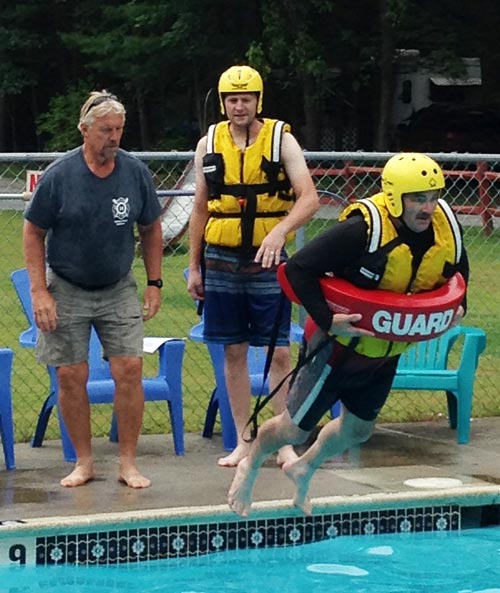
x: 281, y: 367
x: 238, y: 388
x: 75, y: 409
x: 129, y: 409
x: 333, y: 439
x: 273, y: 434
x: 300, y: 473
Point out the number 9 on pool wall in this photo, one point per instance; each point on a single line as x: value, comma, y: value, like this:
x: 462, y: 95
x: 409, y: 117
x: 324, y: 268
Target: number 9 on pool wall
x: 17, y: 552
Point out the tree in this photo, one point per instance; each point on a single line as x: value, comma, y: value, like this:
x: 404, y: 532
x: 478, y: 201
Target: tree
x: 33, y: 64
x: 326, y: 63
x: 59, y: 123
x: 162, y: 57
x: 292, y: 50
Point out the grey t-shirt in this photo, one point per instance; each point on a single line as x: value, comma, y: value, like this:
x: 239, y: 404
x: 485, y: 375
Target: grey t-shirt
x: 90, y: 221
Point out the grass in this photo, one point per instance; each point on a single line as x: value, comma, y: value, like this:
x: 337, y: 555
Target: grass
x: 177, y: 316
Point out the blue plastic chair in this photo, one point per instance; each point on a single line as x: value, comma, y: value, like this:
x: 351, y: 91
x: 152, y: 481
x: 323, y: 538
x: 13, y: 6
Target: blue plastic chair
x: 21, y: 282
x: 219, y: 399
x: 6, y: 419
x: 166, y: 386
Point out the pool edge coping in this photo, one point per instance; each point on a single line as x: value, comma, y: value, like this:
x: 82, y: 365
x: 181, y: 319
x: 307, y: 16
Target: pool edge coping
x: 470, y: 496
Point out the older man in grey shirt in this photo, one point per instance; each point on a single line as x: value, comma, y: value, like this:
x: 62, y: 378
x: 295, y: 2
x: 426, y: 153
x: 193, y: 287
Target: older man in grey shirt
x: 79, y: 248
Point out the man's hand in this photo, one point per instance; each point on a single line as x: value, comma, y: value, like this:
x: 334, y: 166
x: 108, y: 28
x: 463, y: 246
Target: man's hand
x: 344, y: 325
x: 152, y: 302
x: 195, y: 285
x: 269, y: 252
x: 458, y: 316
x: 44, y: 310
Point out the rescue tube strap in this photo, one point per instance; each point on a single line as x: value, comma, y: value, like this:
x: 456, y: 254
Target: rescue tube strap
x: 261, y: 401
x: 304, y: 359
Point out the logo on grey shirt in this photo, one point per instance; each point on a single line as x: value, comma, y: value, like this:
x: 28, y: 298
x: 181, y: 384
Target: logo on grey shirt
x: 121, y: 210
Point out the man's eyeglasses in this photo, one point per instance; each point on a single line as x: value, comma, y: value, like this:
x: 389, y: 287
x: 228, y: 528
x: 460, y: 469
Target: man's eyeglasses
x: 100, y: 100
x: 422, y: 197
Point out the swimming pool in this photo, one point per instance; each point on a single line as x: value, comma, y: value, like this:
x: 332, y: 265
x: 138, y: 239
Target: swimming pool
x: 444, y: 561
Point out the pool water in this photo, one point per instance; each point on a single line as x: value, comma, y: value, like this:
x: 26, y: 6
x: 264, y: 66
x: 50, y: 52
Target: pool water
x: 448, y: 562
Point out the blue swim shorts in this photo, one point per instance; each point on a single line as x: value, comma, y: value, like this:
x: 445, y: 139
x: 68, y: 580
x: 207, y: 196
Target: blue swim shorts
x: 242, y: 299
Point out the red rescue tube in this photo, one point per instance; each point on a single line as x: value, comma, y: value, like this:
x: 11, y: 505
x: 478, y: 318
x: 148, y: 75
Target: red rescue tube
x: 391, y: 316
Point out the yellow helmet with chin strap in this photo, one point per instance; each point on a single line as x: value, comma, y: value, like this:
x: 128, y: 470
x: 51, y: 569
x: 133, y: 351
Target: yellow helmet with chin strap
x: 409, y: 172
x: 240, y: 79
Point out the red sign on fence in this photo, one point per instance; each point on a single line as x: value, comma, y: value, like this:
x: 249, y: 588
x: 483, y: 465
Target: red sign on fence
x: 32, y: 178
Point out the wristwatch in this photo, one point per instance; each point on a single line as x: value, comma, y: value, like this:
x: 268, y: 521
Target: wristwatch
x: 157, y: 283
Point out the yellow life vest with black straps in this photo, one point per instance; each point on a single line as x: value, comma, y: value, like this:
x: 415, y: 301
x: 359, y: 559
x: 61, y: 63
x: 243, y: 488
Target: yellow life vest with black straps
x: 437, y: 265
x: 249, y: 192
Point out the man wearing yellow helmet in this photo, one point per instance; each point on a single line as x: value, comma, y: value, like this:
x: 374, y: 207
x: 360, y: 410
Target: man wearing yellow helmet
x: 253, y: 189
x: 405, y: 240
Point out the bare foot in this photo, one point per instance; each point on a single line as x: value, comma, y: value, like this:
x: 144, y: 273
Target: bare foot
x: 297, y: 472
x: 130, y: 476
x: 81, y: 474
x: 235, y: 456
x: 286, y: 455
x: 239, y: 497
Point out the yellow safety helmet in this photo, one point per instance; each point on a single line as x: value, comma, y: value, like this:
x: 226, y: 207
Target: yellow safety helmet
x: 240, y: 79
x: 409, y: 172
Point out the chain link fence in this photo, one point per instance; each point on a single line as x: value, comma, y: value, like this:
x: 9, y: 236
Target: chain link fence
x: 473, y: 189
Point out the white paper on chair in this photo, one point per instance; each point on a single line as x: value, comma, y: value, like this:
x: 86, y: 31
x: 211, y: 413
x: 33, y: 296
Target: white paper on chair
x: 151, y: 345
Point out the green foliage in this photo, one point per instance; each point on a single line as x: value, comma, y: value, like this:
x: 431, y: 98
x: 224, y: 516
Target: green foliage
x: 59, y: 122
x: 21, y: 47
x: 322, y: 56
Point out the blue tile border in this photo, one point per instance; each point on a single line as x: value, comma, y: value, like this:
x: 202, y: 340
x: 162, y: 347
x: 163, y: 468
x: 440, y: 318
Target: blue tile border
x: 138, y: 544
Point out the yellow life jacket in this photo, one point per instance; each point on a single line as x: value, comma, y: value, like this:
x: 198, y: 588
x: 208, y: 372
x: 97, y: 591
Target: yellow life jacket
x: 249, y: 192
x: 437, y: 265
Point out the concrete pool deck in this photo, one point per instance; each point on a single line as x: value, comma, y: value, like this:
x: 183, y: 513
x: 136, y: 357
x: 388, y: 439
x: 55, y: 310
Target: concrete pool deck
x: 396, y: 453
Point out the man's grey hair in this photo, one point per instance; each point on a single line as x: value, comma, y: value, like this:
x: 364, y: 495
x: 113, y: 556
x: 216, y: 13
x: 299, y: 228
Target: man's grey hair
x: 99, y: 104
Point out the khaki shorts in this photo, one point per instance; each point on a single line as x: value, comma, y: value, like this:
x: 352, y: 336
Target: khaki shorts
x: 115, y: 312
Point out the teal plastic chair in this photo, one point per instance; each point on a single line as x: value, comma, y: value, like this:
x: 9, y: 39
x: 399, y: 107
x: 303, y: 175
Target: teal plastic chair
x: 6, y: 418
x: 426, y: 366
